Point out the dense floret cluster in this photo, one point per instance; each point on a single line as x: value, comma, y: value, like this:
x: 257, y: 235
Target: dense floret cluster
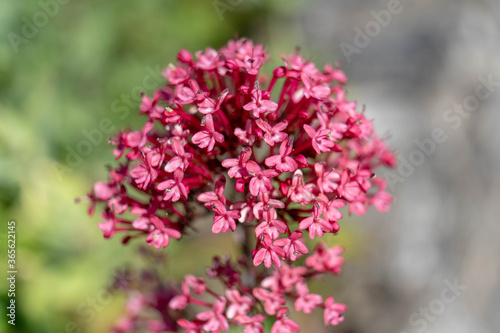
x: 281, y: 167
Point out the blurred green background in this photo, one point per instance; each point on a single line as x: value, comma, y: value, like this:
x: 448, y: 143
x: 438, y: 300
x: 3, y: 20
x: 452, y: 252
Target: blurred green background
x: 85, y: 62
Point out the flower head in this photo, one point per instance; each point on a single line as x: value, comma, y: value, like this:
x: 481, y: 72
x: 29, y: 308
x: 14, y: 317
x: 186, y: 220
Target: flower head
x: 297, y: 163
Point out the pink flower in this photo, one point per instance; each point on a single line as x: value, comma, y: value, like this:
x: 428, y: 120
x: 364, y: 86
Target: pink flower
x: 245, y: 136
x: 216, y: 195
x: 181, y: 160
x: 208, y: 60
x: 179, y: 302
x: 237, y: 166
x: 266, y: 207
x: 209, y: 106
x: 208, y: 137
x: 224, y: 219
x: 260, y: 181
x: 347, y: 188
x: 273, y: 134
x: 282, y: 162
x: 109, y: 224
x: 333, y: 312
x: 306, y: 302
x: 293, y: 246
x: 314, y: 89
x: 327, y: 181
x: 326, y: 259
x: 299, y: 192
x: 191, y: 93
x: 239, y: 305
x: 138, y: 139
x: 176, y: 75
x: 189, y: 326
x: 273, y: 228
x: 103, y: 191
x: 330, y: 208
x: 252, y: 324
x: 197, y: 283
x: 161, y: 237
x: 321, y: 141
x: 258, y: 105
x: 283, y: 324
x: 165, y: 177
x: 272, y: 301
x: 315, y: 224
x: 144, y: 175
x: 215, y: 319
x: 174, y: 188
x: 269, y: 253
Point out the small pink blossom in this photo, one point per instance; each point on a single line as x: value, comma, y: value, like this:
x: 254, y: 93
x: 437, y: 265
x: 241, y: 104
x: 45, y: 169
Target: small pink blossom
x: 293, y: 245
x: 207, y: 137
x: 239, y: 305
x: 284, y: 324
x: 181, y: 160
x: 316, y: 224
x: 224, y: 219
x: 174, y: 188
x: 272, y: 301
x: 260, y: 181
x: 283, y: 162
x: 333, y: 312
x: 273, y: 134
x: 215, y: 319
x: 306, y: 302
x: 269, y: 254
x: 258, y: 105
x: 321, y: 141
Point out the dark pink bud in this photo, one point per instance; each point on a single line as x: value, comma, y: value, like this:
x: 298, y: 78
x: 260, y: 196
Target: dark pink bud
x: 279, y: 72
x: 301, y: 161
x: 185, y: 56
x: 283, y: 189
x: 244, y: 90
x: 240, y: 185
x: 272, y: 117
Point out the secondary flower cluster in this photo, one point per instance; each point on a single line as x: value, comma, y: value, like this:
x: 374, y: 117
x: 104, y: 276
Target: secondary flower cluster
x: 281, y: 166
x: 154, y: 306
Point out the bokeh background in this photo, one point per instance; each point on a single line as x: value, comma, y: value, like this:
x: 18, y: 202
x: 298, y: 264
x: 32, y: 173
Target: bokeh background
x: 88, y: 60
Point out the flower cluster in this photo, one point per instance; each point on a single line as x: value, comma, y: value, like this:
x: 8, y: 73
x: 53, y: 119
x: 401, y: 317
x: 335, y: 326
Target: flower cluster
x: 238, y: 304
x: 281, y: 161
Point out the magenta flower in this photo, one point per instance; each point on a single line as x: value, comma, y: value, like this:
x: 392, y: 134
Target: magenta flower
x: 208, y: 137
x: 321, y: 139
x: 316, y: 224
x: 252, y: 324
x: 333, y: 312
x: 239, y: 305
x: 269, y: 254
x: 174, y: 188
x: 224, y: 219
x: 215, y: 320
x: 284, y: 324
x: 237, y: 166
x: 161, y: 237
x: 215, y: 123
x: 283, y: 162
x: 273, y: 134
x: 260, y: 181
x: 181, y: 160
x: 306, y: 302
x: 258, y: 105
x: 272, y: 300
x: 293, y: 246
